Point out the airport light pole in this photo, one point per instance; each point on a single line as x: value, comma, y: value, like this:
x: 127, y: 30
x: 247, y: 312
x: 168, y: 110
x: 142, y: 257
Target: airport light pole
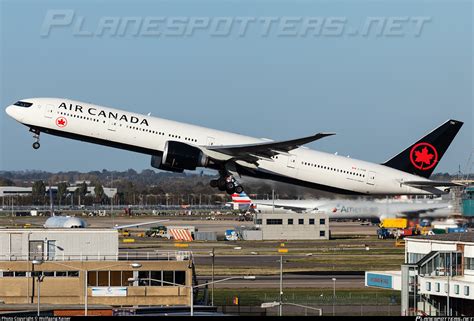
x: 39, y: 280
x: 191, y: 287
x: 280, y: 308
x: 334, y: 297
x: 212, y: 254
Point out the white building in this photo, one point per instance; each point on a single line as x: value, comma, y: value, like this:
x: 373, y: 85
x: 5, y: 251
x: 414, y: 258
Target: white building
x: 293, y: 226
x: 58, y: 244
x: 437, y: 278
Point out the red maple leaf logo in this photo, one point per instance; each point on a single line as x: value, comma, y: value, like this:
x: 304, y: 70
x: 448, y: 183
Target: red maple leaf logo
x: 424, y: 156
x: 61, y: 122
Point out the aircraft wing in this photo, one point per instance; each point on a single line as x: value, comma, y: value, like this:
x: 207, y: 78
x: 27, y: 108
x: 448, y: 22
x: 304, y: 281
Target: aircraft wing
x: 265, y: 150
x: 138, y: 224
x: 430, y: 183
x: 298, y: 209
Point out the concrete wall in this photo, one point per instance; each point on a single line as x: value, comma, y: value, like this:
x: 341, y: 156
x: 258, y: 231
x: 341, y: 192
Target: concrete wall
x: 70, y: 290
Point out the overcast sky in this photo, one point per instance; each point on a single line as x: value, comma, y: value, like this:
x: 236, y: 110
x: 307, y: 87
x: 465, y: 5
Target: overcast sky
x: 378, y: 91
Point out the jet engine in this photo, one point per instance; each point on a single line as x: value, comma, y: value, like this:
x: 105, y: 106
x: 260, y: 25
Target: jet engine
x: 179, y: 156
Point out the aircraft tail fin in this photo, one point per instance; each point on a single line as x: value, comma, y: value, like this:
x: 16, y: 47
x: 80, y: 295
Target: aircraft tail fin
x: 242, y: 201
x: 422, y: 157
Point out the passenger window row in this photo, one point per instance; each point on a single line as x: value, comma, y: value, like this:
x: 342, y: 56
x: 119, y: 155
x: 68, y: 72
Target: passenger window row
x: 130, y: 127
x: 332, y: 169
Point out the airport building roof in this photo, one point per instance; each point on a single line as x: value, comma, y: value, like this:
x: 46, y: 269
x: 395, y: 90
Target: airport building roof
x: 449, y: 237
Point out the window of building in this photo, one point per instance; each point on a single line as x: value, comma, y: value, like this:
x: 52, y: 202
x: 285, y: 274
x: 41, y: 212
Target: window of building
x: 144, y: 278
x: 125, y: 276
x: 322, y: 221
x: 168, y: 277
x: 469, y: 263
x: 301, y: 221
x: 322, y: 233
x: 36, y: 250
x: 456, y: 289
x: 259, y: 221
x: 428, y: 286
x: 466, y: 290
x: 274, y: 221
x: 156, y: 278
x: 311, y: 221
x: 61, y: 273
x: 290, y: 221
x: 437, y: 287
x: 180, y: 277
x: 103, y: 278
x: 115, y: 278
x: 7, y: 274
x: 20, y: 274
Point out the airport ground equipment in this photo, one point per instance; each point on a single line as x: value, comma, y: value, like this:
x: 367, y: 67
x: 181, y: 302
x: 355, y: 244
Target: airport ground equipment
x: 157, y: 231
x: 383, y: 233
x: 399, y: 223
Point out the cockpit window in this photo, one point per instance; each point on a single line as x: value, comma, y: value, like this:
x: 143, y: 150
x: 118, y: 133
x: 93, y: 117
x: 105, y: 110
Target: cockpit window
x: 23, y: 104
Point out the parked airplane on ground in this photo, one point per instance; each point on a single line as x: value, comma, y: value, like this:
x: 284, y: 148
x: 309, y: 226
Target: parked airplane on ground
x: 58, y: 221
x: 350, y: 208
x: 176, y: 147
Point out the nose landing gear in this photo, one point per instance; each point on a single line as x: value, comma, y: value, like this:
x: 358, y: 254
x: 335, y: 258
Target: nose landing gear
x: 36, y: 136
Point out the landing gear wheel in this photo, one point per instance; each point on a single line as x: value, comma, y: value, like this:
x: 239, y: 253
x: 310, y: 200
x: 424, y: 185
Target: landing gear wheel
x: 221, y: 184
x: 230, y: 191
x: 229, y: 186
x: 36, y: 145
x: 214, y: 183
x: 239, y: 189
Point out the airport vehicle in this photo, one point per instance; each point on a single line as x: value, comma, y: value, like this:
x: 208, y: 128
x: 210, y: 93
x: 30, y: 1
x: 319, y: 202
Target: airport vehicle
x: 157, y: 231
x: 400, y: 223
x: 176, y: 147
x: 392, y: 211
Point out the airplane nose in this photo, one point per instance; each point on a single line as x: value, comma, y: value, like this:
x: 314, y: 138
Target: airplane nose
x: 9, y: 111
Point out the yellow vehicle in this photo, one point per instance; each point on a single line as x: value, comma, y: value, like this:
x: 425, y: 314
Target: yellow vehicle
x: 394, y: 223
x: 124, y: 233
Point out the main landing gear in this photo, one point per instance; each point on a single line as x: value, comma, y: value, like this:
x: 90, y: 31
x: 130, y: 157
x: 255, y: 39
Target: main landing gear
x: 227, y: 183
x: 36, y: 136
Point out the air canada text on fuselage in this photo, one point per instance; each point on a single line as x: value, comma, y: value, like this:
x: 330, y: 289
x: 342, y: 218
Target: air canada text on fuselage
x: 93, y: 111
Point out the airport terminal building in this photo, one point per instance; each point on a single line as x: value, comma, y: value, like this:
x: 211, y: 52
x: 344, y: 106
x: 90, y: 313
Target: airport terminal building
x: 84, y: 266
x: 437, y: 278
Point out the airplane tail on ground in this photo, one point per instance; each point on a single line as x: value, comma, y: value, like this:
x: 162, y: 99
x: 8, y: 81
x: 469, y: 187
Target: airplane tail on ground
x: 422, y: 157
x: 241, y: 201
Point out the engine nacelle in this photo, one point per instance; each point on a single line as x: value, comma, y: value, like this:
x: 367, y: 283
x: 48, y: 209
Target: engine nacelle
x: 183, y: 156
x: 157, y: 162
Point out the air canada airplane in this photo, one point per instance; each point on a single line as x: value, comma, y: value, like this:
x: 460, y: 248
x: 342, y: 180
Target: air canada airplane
x: 176, y: 147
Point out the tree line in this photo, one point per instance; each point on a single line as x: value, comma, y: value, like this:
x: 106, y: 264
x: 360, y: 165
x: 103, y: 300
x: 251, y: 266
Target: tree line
x: 145, y: 188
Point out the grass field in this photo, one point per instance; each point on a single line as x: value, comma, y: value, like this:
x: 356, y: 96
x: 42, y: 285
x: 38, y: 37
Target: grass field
x: 307, y: 296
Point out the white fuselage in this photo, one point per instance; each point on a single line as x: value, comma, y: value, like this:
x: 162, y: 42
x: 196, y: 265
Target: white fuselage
x: 359, y: 209
x: 147, y: 134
